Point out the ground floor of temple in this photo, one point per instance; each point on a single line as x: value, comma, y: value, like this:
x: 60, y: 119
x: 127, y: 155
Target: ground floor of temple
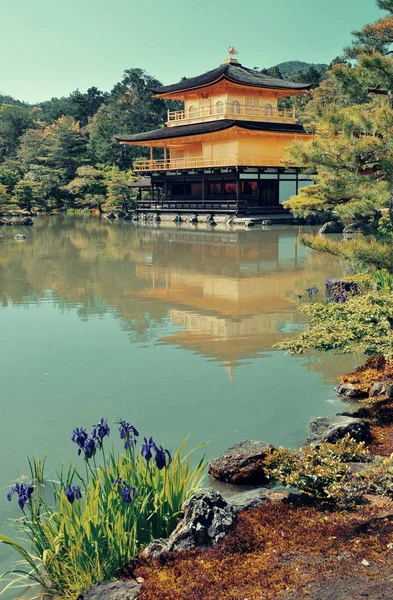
x: 233, y: 190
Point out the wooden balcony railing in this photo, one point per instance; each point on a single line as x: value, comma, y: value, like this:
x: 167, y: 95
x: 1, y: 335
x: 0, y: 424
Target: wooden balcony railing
x: 231, y: 110
x: 199, y: 162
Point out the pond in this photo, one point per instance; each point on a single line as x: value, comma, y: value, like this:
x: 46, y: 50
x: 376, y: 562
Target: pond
x: 172, y: 328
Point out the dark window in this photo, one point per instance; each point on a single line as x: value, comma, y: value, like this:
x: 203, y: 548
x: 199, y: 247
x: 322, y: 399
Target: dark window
x: 181, y: 189
x: 230, y: 188
x: 250, y: 188
x: 215, y: 189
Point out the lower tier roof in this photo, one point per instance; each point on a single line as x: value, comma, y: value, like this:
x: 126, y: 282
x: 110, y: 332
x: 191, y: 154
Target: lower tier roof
x: 208, y: 127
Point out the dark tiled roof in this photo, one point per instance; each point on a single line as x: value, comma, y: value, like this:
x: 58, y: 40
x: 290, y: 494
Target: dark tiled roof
x: 141, y: 183
x: 236, y: 73
x: 209, y: 127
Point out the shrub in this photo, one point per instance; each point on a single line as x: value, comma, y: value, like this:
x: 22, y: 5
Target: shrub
x: 318, y: 471
x: 100, y: 520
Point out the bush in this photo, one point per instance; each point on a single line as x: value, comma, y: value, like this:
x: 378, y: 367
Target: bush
x: 100, y: 520
x: 318, y: 471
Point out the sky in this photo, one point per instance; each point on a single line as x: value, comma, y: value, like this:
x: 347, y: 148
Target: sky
x: 49, y: 48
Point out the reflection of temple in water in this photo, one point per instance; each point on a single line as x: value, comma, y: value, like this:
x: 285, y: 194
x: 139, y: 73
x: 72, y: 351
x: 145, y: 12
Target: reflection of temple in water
x: 233, y: 295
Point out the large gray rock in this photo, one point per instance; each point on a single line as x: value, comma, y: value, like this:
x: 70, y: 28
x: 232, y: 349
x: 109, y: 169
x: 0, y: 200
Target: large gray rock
x: 208, y: 517
x: 331, y: 227
x: 242, y: 463
x: 27, y: 221
x: 354, y: 228
x: 112, y: 590
x: 247, y: 500
x: 382, y: 389
x: 348, y: 390
x: 111, y: 216
x: 332, y: 429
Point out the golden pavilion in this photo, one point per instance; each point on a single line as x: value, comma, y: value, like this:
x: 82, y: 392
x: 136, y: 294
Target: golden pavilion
x: 222, y: 153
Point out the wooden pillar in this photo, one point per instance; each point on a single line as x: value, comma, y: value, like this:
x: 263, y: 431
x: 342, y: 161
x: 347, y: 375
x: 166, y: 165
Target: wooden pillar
x: 152, y: 191
x: 151, y: 156
x: 237, y: 191
x: 165, y: 156
x: 203, y: 191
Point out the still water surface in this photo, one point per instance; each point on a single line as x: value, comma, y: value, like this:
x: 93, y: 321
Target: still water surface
x: 169, y: 328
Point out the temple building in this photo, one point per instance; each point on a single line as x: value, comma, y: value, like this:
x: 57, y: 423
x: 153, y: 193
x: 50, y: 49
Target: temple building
x: 222, y: 154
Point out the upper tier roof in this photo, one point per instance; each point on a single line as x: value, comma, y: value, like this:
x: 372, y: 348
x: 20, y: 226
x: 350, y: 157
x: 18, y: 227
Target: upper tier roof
x: 208, y: 127
x: 236, y: 73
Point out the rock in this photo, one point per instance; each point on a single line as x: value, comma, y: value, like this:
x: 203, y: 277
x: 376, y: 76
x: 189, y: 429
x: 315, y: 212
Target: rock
x: 249, y: 223
x: 9, y: 223
x: 355, y: 228
x: 177, y: 219
x: 2, y: 223
x: 156, y: 218
x: 382, y: 388
x: 27, y: 221
x: 121, y: 214
x: 193, y: 219
x: 19, y: 237
x: 266, y: 222
x: 111, y: 216
x: 332, y: 227
x: 332, y: 429
x: 207, y: 519
x: 129, y: 218
x: 112, y: 590
x: 242, y: 463
x: 247, y: 500
x: 348, y: 390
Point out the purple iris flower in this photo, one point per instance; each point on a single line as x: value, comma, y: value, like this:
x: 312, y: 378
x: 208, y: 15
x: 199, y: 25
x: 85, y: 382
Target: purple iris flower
x: 126, y: 492
x: 119, y: 481
x: 73, y: 493
x: 162, y: 457
x: 101, y: 429
x: 23, y: 492
x: 299, y: 296
x: 312, y: 290
x: 79, y: 436
x: 146, y: 448
x: 127, y: 433
x: 90, y: 447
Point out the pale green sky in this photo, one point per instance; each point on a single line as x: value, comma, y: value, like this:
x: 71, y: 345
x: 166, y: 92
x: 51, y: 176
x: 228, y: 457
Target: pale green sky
x: 49, y: 48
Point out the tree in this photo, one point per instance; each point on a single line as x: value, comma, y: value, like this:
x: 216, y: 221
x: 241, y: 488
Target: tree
x: 27, y: 194
x: 119, y: 192
x: 14, y: 120
x: 85, y: 106
x: 88, y: 188
x: 9, y: 178
x: 130, y: 109
x: 5, y: 197
x: 352, y: 152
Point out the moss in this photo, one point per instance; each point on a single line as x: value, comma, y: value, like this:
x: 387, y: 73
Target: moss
x: 376, y: 368
x: 273, y: 551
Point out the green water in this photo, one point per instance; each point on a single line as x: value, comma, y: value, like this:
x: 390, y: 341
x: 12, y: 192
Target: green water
x: 169, y: 328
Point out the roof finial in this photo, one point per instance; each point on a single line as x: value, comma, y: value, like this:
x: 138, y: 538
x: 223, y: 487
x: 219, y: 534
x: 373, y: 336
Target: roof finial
x: 231, y: 60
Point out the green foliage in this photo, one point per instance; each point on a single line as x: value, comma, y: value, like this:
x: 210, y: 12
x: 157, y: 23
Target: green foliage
x: 318, y: 471
x: 78, y: 544
x: 359, y: 250
x: 14, y: 121
x: 379, y: 477
x: 5, y: 197
x: 362, y: 324
x: 130, y: 109
x: 28, y: 194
